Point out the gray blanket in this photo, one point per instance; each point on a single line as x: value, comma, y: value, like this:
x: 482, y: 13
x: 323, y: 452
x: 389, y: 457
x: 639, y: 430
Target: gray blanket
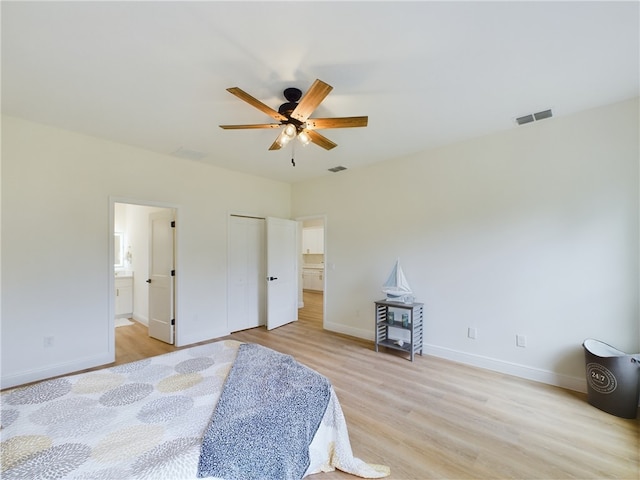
x: 267, y: 415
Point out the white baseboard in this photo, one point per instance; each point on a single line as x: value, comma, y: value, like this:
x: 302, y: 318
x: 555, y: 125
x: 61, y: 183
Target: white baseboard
x: 351, y: 331
x: 183, y: 341
x: 522, y: 371
x: 517, y: 370
x: 56, y: 370
x: 140, y: 319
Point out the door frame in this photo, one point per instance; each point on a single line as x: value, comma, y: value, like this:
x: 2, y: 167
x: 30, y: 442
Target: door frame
x: 111, y: 299
x: 300, y: 221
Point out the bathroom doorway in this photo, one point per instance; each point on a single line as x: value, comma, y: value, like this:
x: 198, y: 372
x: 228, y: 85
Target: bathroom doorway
x: 137, y: 227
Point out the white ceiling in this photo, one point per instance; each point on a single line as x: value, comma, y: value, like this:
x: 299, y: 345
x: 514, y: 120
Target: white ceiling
x: 154, y: 74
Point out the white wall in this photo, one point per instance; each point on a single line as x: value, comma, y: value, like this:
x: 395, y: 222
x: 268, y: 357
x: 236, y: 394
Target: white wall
x: 56, y: 191
x: 533, y: 231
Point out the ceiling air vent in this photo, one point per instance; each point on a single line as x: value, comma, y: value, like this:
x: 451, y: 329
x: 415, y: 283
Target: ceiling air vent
x: 542, y: 115
x: 337, y: 169
x: 188, y: 154
x: 534, y: 117
x: 525, y: 119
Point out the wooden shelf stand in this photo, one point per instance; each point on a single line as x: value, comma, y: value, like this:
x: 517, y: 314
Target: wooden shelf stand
x: 414, y: 325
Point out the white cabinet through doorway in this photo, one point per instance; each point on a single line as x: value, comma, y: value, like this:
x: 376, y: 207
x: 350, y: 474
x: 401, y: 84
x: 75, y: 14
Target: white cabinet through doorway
x: 312, y: 279
x: 124, y: 296
x: 313, y: 240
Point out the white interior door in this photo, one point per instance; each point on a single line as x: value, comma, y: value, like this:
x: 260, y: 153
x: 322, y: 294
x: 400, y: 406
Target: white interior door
x: 161, y: 276
x: 282, y: 272
x: 247, y: 272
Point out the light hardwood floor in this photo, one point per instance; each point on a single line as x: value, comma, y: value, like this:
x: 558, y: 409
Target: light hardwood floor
x: 438, y: 419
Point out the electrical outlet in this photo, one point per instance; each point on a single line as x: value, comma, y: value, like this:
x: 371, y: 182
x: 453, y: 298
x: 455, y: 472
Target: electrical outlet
x: 48, y: 341
x: 521, y: 341
x: 472, y: 333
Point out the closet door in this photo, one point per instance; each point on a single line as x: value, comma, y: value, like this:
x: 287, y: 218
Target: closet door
x: 247, y: 273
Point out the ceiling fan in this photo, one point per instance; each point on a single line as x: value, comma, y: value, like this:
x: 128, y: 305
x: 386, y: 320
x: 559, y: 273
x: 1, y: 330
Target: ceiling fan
x: 294, y: 115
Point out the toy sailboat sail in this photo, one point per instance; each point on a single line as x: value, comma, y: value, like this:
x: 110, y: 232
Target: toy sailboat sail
x: 396, y: 287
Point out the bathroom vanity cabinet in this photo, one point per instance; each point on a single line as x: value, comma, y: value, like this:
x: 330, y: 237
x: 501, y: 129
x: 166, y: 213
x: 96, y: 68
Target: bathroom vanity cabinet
x: 124, y: 296
x: 313, y: 278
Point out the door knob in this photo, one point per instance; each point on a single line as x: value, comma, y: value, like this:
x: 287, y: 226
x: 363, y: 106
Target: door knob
x: 272, y: 278
x: 149, y: 281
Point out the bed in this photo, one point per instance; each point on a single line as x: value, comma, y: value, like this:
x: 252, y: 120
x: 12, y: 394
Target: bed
x: 209, y: 411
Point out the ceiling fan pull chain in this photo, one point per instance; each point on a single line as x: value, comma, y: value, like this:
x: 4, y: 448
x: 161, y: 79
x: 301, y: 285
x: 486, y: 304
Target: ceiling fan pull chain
x: 293, y: 153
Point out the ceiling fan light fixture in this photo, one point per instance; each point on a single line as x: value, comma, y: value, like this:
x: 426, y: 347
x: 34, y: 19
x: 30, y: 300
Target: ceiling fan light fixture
x: 290, y: 131
x: 286, y: 135
x: 283, y: 139
x: 304, y: 138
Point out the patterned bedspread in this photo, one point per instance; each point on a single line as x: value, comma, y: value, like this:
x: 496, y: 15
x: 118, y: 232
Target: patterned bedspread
x: 141, y: 420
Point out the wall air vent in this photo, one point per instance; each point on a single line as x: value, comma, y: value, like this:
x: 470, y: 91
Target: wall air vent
x: 534, y: 117
x: 337, y: 169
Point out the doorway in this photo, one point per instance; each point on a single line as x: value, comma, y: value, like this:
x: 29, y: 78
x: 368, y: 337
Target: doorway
x: 313, y: 254
x: 136, y: 304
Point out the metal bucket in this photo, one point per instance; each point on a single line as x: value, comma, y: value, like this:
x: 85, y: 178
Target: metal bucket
x: 613, y: 379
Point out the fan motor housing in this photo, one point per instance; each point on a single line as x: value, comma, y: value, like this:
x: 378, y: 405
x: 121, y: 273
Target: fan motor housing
x: 292, y: 94
x: 287, y: 108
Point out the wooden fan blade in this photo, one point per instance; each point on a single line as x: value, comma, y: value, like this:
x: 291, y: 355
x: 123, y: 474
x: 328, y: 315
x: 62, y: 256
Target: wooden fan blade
x: 338, y: 122
x: 242, y: 95
x: 310, y: 100
x: 257, y: 125
x: 275, y: 146
x: 321, y: 140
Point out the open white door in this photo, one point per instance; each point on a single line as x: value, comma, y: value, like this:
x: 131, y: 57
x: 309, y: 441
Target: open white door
x: 161, y: 275
x: 282, y: 272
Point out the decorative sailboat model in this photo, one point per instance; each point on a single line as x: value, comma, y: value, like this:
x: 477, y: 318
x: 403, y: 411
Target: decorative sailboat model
x: 396, y: 287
